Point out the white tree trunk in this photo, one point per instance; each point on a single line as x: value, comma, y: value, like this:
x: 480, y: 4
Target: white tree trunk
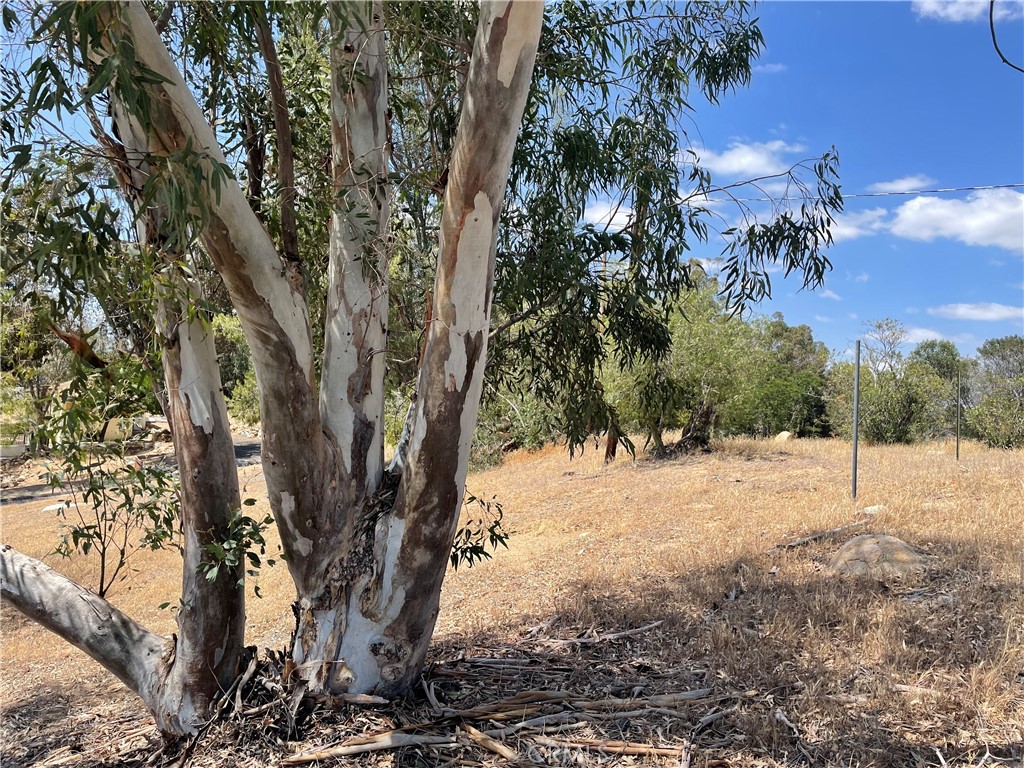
x: 368, y: 630
x: 352, y: 386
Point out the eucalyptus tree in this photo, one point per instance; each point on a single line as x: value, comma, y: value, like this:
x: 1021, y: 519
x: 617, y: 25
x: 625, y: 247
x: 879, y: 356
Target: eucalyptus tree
x: 366, y: 544
x: 386, y: 128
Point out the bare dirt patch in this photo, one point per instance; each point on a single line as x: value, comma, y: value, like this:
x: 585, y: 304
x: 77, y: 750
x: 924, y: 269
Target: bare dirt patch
x: 800, y: 667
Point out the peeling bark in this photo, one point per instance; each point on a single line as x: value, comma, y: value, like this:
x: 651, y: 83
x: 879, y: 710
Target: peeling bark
x: 352, y: 387
x: 211, y: 615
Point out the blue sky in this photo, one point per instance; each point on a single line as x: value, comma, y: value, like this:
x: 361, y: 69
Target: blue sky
x: 914, y: 97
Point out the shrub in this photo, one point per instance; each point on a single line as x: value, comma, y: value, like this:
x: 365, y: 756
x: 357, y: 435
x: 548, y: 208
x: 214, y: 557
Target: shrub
x: 244, y: 401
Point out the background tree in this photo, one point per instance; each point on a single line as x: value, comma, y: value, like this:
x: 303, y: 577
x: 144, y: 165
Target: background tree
x: 997, y: 416
x: 902, y: 398
x: 760, y: 376
x: 939, y: 355
x: 785, y: 382
x: 942, y: 369
x: 33, y: 363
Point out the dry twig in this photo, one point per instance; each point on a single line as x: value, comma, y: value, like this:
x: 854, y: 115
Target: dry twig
x: 358, y: 746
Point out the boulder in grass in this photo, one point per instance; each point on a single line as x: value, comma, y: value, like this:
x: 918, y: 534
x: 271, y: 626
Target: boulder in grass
x: 877, y: 556
x: 783, y: 437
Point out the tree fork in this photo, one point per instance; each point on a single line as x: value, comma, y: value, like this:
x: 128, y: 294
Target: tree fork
x: 372, y: 634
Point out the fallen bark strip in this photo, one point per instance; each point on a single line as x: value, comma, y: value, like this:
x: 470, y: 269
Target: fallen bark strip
x: 916, y: 690
x: 560, y: 718
x: 602, y: 638
x: 490, y: 744
x: 389, y: 740
x: 612, y: 747
x: 660, y: 700
x: 817, y: 536
x: 714, y: 717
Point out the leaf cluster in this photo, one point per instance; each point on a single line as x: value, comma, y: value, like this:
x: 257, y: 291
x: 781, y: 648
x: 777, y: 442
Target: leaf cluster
x: 481, y: 530
x: 243, y: 545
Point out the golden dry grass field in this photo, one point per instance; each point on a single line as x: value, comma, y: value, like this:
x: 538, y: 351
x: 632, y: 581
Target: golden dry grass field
x: 803, y: 668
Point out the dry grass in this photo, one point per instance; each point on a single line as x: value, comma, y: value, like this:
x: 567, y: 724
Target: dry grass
x: 905, y: 673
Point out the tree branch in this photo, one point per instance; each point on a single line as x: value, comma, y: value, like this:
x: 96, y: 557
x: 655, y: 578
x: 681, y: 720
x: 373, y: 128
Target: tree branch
x: 283, y: 130
x: 135, y: 655
x: 165, y: 17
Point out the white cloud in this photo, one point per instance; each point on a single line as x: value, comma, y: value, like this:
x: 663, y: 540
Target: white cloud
x: 823, y: 319
x: 911, y: 310
x: 603, y: 214
x: 850, y: 226
x: 989, y: 217
x: 905, y: 184
x: 710, y: 266
x: 852, y: 315
x: 983, y: 311
x: 830, y: 294
x: 753, y: 159
x: 917, y: 335
x: 778, y: 188
x: 863, y: 277
x: 965, y: 10
x: 770, y: 69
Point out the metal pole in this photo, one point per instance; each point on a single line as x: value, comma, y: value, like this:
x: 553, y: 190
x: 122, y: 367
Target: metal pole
x: 856, y: 412
x: 958, y: 398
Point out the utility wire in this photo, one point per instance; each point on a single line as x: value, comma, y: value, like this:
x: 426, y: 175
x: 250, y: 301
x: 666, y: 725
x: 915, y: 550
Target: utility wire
x: 942, y: 190
x: 935, y: 191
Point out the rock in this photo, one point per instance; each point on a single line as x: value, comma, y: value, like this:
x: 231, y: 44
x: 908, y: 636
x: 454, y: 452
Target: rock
x: 877, y: 556
x: 784, y: 437
x: 11, y: 451
x: 121, y: 429
x: 873, y: 510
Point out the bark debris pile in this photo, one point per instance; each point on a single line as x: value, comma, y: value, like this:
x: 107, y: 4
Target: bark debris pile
x: 545, y: 702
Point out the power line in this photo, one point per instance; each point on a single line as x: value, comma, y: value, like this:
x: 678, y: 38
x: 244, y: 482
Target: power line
x: 941, y: 190
x: 935, y: 191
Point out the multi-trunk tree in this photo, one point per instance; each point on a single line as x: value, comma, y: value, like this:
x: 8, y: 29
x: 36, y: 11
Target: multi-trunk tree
x: 367, y: 542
